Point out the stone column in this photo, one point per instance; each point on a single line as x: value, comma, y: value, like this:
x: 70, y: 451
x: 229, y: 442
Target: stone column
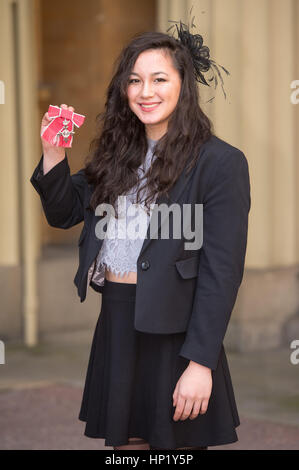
x: 19, y: 146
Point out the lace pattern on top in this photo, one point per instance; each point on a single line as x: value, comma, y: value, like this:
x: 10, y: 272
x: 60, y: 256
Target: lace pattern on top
x: 119, y: 252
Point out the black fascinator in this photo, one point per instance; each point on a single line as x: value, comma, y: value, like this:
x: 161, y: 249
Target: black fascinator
x: 200, y: 54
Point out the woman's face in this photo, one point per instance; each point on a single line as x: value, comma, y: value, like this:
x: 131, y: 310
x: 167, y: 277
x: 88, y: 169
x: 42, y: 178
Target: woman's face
x: 154, y: 80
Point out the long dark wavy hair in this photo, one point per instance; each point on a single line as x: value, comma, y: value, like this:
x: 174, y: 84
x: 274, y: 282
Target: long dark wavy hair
x: 120, y: 145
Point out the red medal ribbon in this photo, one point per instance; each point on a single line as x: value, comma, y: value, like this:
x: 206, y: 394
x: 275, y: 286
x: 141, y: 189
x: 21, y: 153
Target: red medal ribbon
x: 60, y: 132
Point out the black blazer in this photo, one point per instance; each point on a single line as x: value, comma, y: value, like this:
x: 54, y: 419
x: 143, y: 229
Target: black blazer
x: 178, y: 290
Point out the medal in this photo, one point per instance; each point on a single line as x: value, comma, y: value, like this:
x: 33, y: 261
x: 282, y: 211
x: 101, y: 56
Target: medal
x: 61, y: 124
x: 65, y: 133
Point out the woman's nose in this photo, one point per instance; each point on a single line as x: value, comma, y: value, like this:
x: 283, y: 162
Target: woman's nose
x: 147, y: 90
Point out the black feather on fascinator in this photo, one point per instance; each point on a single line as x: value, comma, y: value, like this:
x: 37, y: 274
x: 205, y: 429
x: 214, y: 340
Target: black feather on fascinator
x: 200, y: 54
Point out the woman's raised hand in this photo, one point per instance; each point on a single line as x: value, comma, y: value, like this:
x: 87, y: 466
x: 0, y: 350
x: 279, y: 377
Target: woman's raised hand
x: 52, y: 154
x: 45, y: 122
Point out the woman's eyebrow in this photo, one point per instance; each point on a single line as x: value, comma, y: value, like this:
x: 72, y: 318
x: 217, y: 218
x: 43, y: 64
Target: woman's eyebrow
x: 155, y: 73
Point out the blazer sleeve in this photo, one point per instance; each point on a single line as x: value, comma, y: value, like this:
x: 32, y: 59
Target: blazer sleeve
x: 61, y: 194
x: 221, y: 266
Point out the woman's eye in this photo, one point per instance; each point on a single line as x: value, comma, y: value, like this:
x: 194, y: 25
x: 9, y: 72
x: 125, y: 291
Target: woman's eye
x: 134, y: 80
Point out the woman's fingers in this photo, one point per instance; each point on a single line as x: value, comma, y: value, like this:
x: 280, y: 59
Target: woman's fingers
x: 65, y: 106
x: 187, y: 409
x: 195, y: 410
x: 46, y: 120
x: 175, y: 394
x: 179, y: 408
x: 183, y: 409
x: 204, y: 406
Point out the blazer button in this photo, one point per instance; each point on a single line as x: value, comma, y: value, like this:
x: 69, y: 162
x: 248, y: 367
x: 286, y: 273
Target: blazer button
x: 145, y: 265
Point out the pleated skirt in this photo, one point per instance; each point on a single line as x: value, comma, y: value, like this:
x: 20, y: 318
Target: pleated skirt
x: 131, y: 377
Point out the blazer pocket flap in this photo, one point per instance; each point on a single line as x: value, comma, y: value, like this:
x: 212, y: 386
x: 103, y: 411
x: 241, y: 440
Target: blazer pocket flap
x: 188, y: 268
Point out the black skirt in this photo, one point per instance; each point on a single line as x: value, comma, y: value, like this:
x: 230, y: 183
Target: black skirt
x: 131, y: 377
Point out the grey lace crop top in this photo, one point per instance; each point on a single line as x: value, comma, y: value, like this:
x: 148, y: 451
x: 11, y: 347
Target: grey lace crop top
x: 119, y: 251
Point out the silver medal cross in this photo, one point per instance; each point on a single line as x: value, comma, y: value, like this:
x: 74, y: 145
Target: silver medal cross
x: 65, y: 133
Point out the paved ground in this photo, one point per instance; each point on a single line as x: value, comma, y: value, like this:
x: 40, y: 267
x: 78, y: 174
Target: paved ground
x: 41, y: 390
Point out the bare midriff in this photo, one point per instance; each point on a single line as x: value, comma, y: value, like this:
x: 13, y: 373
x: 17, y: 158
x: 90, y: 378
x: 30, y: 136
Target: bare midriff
x: 130, y: 278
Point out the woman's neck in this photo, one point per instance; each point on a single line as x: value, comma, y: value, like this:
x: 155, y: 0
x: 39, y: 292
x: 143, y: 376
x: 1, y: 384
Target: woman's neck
x: 151, y: 140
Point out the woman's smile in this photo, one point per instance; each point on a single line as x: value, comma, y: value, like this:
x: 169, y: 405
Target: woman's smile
x: 148, y: 107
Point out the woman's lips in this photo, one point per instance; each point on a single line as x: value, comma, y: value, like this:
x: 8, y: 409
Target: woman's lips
x: 147, y: 109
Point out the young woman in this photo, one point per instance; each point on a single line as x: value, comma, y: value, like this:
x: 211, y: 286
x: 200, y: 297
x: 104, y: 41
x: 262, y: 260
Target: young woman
x: 157, y: 376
